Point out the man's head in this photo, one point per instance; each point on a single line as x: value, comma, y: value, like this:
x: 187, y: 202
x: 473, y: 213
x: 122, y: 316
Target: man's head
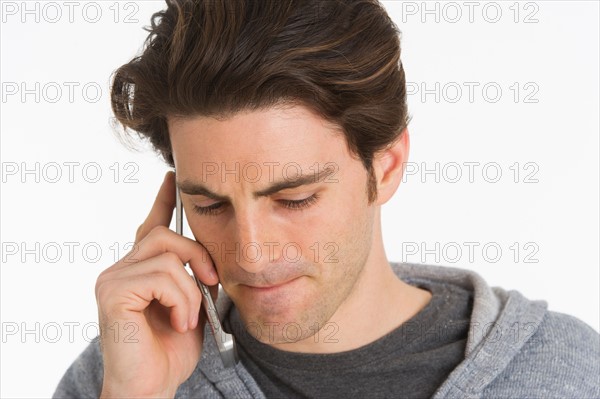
x: 278, y: 200
x: 340, y: 58
x: 284, y: 121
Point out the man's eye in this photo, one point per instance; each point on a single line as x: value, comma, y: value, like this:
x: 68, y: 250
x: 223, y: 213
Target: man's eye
x: 213, y: 209
x: 300, y: 204
x: 218, y: 207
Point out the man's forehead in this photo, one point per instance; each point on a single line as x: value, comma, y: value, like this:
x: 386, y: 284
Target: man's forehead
x: 268, y: 135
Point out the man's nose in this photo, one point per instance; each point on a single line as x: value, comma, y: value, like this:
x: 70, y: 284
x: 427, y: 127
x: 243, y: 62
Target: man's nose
x: 256, y: 243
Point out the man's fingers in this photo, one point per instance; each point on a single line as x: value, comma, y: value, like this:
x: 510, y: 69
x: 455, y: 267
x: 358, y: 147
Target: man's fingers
x: 162, y: 209
x: 170, y: 264
x: 163, y: 240
x: 160, y: 278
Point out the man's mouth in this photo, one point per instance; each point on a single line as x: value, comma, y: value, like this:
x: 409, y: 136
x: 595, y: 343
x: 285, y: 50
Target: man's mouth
x: 271, y: 287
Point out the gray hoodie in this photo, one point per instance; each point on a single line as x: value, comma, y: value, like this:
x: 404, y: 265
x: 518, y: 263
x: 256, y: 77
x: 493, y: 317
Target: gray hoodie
x: 516, y: 348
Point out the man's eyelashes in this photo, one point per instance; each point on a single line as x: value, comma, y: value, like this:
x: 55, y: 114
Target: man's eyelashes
x: 218, y: 207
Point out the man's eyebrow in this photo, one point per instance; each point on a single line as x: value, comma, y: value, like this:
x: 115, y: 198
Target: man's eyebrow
x: 193, y: 188
x: 300, y: 180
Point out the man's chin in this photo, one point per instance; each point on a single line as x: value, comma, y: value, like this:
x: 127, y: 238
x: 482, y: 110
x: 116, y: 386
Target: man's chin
x: 277, y: 327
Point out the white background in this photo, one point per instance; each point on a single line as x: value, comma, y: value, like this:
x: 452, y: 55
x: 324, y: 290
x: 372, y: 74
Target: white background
x: 550, y: 130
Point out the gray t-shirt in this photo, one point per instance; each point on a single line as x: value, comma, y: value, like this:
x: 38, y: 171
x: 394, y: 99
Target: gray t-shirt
x: 409, y: 362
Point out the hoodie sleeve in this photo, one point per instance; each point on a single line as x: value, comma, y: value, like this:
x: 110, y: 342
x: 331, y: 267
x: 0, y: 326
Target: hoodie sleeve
x: 83, y: 379
x: 560, y: 360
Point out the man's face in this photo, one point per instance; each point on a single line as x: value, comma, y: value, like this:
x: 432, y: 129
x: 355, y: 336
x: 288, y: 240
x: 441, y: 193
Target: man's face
x: 287, y: 254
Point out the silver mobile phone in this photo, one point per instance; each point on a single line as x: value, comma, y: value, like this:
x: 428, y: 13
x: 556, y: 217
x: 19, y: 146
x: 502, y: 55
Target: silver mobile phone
x: 225, y: 341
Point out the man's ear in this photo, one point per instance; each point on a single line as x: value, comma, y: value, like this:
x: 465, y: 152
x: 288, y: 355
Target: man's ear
x: 389, y: 167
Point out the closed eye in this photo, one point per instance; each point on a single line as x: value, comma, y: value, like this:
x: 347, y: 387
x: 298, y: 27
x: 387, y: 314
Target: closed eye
x: 299, y: 204
x: 218, y: 207
x: 212, y: 209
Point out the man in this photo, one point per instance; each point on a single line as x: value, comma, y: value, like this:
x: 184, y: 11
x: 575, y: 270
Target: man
x: 286, y: 123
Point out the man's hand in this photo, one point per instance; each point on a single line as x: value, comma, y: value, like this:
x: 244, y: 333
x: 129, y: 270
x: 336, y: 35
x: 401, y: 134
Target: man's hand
x: 148, y: 308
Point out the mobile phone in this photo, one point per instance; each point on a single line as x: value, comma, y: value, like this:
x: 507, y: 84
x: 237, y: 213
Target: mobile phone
x: 225, y: 342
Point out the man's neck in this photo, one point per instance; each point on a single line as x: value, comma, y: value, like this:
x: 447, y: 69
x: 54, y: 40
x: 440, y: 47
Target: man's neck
x: 379, y: 303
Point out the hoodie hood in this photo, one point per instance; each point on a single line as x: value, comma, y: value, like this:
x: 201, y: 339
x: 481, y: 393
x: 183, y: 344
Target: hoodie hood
x: 501, y: 322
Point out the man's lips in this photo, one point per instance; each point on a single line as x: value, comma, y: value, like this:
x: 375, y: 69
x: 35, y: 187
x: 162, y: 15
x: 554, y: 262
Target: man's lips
x: 270, y: 287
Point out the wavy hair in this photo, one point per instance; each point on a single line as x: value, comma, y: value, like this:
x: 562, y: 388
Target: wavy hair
x: 339, y: 58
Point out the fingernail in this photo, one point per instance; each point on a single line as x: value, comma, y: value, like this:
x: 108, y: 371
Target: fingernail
x: 194, y: 320
x: 213, y: 274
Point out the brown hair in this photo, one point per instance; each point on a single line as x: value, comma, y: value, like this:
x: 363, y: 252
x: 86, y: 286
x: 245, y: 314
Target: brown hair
x: 339, y: 58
